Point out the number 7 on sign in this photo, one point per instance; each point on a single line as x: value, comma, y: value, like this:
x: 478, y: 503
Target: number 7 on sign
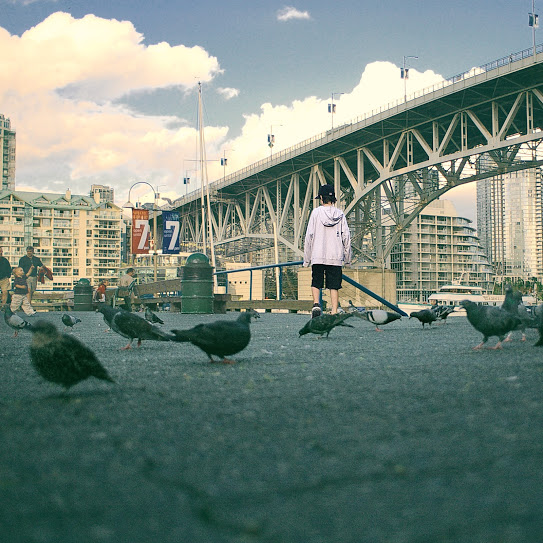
x: 175, y: 234
x: 141, y: 223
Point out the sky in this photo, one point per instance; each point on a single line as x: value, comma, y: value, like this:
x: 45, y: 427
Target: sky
x: 106, y: 91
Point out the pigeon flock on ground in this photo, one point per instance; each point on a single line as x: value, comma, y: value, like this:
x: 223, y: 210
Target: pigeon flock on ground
x: 63, y: 359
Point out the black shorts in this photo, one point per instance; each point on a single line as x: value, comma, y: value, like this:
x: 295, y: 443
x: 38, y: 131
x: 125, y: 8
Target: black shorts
x: 332, y: 273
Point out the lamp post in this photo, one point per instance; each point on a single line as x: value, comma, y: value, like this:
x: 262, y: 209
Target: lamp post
x: 130, y: 205
x: 405, y: 75
x: 332, y: 106
x: 533, y: 21
x: 271, y: 138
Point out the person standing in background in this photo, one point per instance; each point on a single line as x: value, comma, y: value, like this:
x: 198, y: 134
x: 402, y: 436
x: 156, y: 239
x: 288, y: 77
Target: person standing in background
x: 5, y: 275
x: 30, y: 264
x: 126, y: 285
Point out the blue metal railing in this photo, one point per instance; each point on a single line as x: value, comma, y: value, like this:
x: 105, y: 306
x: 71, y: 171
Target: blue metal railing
x: 299, y: 263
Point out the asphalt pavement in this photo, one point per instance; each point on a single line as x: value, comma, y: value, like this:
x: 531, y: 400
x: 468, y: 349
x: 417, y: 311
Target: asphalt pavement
x: 407, y: 435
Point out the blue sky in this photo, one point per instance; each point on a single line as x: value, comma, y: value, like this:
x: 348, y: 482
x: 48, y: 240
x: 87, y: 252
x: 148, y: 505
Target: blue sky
x: 115, y: 80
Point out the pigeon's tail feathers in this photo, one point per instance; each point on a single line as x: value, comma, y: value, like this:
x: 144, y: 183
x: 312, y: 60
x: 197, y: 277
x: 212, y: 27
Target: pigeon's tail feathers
x: 161, y: 335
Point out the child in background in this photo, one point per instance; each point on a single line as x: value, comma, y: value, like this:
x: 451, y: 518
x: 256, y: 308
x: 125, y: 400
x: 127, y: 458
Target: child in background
x: 19, y: 299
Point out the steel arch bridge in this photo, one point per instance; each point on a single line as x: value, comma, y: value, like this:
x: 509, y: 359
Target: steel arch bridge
x: 386, y: 167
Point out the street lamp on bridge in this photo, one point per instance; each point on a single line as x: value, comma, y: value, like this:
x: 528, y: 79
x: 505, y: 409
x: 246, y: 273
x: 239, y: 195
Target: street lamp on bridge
x: 130, y: 205
x: 405, y: 75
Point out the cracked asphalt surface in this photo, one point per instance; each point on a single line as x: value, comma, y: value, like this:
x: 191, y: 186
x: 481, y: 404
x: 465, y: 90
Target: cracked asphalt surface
x: 401, y: 436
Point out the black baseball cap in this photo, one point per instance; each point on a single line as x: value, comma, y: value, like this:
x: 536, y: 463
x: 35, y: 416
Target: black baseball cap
x: 326, y: 190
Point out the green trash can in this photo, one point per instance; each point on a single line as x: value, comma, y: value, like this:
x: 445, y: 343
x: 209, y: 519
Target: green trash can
x: 197, y: 285
x: 83, y: 295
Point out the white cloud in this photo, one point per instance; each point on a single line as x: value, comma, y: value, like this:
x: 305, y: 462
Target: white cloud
x: 289, y: 12
x: 228, y: 92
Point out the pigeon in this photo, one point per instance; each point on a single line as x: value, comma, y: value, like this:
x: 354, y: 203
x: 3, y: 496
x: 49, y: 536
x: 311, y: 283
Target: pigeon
x: 378, y: 317
x: 15, y: 321
x: 324, y: 324
x: 425, y: 316
x: 69, y: 320
x: 513, y: 304
x: 443, y: 311
x: 61, y: 358
x: 538, y: 315
x: 108, y: 312
x: 151, y: 317
x: 131, y: 326
x: 220, y: 338
x: 490, y: 321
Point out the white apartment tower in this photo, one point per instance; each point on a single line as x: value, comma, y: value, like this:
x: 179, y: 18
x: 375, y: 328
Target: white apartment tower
x: 509, y: 221
x: 438, y: 247
x: 75, y: 236
x: 7, y: 154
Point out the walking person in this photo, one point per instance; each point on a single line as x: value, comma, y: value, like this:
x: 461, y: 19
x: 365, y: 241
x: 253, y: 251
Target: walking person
x: 5, y: 276
x: 327, y: 248
x: 19, y: 299
x: 126, y: 285
x: 31, y: 264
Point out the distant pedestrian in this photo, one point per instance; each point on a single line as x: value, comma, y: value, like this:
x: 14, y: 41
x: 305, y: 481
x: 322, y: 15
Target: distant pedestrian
x: 19, y: 299
x: 31, y: 264
x: 126, y: 286
x: 327, y: 248
x: 5, y: 276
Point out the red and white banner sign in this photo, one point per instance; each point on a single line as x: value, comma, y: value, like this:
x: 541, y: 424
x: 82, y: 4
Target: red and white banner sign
x: 140, y: 231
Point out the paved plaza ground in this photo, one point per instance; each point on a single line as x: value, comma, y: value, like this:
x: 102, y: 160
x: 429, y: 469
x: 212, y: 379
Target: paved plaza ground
x: 402, y: 436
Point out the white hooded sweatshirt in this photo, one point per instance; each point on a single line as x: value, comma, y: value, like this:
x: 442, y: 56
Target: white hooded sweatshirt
x: 327, y: 239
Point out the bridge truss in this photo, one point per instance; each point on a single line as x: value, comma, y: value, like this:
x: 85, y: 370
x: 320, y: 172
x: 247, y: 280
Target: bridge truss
x: 385, y: 168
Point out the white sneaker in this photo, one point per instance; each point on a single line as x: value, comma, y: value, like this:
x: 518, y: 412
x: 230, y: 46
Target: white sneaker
x: 316, y: 311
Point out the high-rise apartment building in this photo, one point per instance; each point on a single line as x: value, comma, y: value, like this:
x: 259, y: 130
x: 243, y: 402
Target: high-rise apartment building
x: 509, y: 222
x: 439, y: 247
x: 107, y: 194
x: 75, y: 236
x: 7, y: 154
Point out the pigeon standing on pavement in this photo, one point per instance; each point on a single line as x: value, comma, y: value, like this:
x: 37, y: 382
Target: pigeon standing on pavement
x: 378, y: 317
x: 425, y: 316
x: 443, y: 311
x: 325, y: 324
x: 490, y: 321
x: 220, y: 338
x: 15, y: 321
x: 131, y: 326
x: 152, y: 318
x: 69, y: 320
x: 538, y: 318
x: 61, y: 358
x: 513, y: 304
x: 108, y: 312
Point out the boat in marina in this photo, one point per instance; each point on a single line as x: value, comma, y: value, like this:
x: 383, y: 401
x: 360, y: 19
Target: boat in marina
x: 454, y: 293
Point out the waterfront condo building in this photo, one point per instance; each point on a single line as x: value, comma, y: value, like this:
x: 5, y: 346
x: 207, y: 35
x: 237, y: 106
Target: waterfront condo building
x: 509, y: 222
x: 7, y: 154
x: 75, y: 236
x: 438, y: 247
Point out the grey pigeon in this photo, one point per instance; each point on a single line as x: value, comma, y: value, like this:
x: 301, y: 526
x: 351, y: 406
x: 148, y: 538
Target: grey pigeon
x: 442, y: 311
x: 378, y: 317
x: 220, y: 338
x: 108, y: 312
x: 538, y: 316
x: 325, y: 324
x: 490, y: 321
x: 61, y: 358
x: 151, y: 317
x: 513, y: 304
x: 69, y: 320
x: 15, y: 321
x: 131, y: 326
x: 425, y: 316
